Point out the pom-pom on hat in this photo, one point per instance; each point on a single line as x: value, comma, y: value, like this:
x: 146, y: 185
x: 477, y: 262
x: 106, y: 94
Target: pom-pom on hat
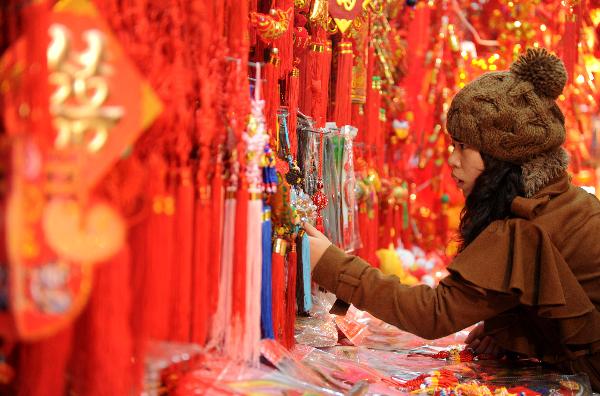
x: 512, y: 115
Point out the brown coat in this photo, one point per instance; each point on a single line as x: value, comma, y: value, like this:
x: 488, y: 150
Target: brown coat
x: 534, y: 279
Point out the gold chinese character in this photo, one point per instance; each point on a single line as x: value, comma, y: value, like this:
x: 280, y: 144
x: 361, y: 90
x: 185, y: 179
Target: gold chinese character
x: 81, y: 90
x: 347, y: 4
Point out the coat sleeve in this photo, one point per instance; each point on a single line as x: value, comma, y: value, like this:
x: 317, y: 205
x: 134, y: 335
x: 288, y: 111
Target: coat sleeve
x: 427, y: 312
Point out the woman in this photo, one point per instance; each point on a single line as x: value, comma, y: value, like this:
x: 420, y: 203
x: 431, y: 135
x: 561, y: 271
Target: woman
x: 529, y: 261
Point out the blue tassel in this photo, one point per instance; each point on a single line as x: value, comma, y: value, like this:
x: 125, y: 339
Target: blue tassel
x: 306, y: 272
x: 266, y: 306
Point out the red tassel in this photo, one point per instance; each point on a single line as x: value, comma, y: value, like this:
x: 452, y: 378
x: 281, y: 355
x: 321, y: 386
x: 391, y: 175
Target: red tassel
x: 201, y: 304
x: 101, y: 363
x: 181, y: 311
x: 216, y: 236
x: 315, y: 74
x: 278, y: 288
x: 43, y: 365
x: 290, y: 297
x: 160, y: 255
x: 293, y: 87
x: 237, y: 27
x: 285, y: 43
x: 570, y: 40
x: 343, y: 88
x: 253, y: 7
x: 149, y: 282
x: 306, y: 75
x: 372, y: 121
x: 321, y: 114
x: 271, y: 95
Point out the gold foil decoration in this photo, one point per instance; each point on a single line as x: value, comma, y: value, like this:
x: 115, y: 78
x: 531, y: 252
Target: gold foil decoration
x: 77, y: 105
x: 319, y: 13
x: 300, y: 3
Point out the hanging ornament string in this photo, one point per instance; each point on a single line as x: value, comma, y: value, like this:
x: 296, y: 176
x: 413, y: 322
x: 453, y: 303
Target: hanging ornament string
x: 319, y: 198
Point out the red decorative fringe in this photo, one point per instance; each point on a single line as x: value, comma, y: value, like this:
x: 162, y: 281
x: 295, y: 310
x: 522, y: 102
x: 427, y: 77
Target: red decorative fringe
x: 271, y: 96
x: 159, y: 255
x: 278, y: 291
x: 570, y: 39
x: 290, y: 297
x: 321, y: 114
x: 101, y: 363
x: 285, y: 43
x: 343, y: 87
x: 315, y: 72
x: 181, y: 311
x: 42, y: 366
x: 293, y: 90
x: 372, y: 122
x: 203, y: 263
x: 306, y: 64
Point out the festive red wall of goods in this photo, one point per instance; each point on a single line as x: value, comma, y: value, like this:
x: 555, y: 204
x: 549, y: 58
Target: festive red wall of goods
x: 158, y: 158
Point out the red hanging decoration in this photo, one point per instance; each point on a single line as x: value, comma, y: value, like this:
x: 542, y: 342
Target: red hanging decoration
x: 290, y: 296
x: 35, y: 377
x: 342, y: 113
x: 278, y: 288
x: 271, y: 95
x: 101, y: 363
x: 293, y: 91
x: 319, y: 198
x: 285, y: 42
x: 182, y: 277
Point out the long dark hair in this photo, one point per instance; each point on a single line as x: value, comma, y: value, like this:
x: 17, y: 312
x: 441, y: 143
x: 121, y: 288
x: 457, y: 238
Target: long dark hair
x: 493, y: 192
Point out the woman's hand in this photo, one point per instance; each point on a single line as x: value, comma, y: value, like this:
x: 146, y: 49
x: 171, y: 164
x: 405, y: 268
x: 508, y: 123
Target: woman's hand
x: 318, y: 244
x: 482, y: 344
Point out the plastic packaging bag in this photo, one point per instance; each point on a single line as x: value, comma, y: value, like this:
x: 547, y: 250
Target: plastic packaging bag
x: 166, y: 362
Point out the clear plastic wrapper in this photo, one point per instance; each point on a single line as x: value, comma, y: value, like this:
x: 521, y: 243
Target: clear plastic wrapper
x: 318, y: 332
x: 219, y: 377
x: 362, y: 329
x: 319, y: 329
x: 322, y: 303
x: 346, y: 375
x: 333, y: 147
x: 166, y: 362
x: 396, y: 365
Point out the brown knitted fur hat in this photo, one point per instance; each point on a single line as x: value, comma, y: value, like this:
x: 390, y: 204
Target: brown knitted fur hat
x: 512, y: 115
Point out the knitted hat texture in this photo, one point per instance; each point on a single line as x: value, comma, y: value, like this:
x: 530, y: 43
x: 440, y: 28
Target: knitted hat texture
x: 512, y: 115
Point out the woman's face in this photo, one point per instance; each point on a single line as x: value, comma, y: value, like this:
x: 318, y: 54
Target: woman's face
x: 466, y: 164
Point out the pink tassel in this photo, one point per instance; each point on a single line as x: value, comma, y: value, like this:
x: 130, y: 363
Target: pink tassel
x: 222, y: 320
x: 253, y: 281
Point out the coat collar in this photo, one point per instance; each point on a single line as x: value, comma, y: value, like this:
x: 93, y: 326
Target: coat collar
x: 528, y: 208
